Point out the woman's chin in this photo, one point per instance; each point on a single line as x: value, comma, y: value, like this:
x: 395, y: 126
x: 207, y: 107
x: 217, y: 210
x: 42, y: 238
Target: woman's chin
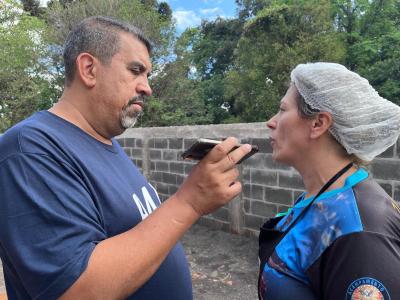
x: 275, y: 156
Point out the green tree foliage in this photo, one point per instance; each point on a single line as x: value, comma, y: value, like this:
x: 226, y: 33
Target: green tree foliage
x: 238, y: 69
x: 226, y: 70
x: 32, y: 7
x: 25, y: 82
x: 347, y: 17
x: 249, y: 8
x: 191, y: 87
x: 165, y: 10
x: 178, y: 97
x: 213, y: 56
x: 213, y: 51
x: 276, y: 40
x: 64, y: 15
x: 372, y: 31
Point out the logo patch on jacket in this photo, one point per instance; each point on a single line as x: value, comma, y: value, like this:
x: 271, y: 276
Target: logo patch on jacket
x: 367, y: 288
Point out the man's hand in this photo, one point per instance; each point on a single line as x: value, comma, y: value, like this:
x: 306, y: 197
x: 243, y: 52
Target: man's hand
x: 213, y: 181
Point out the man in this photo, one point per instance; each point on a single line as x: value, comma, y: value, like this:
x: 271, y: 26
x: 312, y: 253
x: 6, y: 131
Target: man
x: 71, y: 225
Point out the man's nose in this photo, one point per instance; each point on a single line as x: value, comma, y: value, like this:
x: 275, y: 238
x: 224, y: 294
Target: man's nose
x: 144, y: 88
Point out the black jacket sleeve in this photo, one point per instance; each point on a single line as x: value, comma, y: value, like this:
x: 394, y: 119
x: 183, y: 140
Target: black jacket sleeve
x: 356, y: 265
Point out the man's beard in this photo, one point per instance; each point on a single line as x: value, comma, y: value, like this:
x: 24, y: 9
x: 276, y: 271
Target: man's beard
x: 129, y: 116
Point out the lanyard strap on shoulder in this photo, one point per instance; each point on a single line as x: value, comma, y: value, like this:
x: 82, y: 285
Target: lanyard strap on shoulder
x: 323, y: 189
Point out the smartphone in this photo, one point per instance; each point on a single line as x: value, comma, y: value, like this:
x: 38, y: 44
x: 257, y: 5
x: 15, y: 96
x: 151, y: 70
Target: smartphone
x: 202, y: 146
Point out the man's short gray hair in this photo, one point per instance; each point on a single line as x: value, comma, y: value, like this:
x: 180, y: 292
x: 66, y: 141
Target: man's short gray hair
x: 98, y: 36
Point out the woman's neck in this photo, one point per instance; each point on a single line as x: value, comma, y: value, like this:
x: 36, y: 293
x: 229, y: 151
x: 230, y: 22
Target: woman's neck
x: 317, y: 172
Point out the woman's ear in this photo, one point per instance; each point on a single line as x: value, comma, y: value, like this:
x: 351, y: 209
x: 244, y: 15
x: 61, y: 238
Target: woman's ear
x: 86, y: 69
x: 320, y: 124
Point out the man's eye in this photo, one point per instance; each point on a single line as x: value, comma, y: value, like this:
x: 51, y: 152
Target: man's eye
x: 135, y: 71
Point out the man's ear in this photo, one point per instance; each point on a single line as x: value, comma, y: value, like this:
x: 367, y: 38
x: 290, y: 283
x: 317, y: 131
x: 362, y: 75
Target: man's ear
x: 320, y: 124
x: 86, y: 69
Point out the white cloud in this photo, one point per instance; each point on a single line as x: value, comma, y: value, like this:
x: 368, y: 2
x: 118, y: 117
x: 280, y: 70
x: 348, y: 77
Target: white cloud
x: 212, y: 1
x: 186, y: 18
x: 211, y: 11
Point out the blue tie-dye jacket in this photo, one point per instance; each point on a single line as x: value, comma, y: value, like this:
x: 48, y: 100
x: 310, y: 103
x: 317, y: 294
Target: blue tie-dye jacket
x: 347, y: 246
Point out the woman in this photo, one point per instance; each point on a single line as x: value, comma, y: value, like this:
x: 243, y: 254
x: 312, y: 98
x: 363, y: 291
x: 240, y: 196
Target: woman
x: 341, y: 239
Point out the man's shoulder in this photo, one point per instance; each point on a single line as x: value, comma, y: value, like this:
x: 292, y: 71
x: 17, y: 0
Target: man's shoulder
x: 26, y: 136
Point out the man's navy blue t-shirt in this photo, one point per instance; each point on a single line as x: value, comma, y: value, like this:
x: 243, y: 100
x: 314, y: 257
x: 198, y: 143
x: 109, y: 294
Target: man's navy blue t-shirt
x: 62, y: 192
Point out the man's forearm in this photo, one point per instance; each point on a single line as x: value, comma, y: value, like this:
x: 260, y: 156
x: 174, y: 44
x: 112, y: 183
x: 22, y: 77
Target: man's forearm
x: 120, y: 265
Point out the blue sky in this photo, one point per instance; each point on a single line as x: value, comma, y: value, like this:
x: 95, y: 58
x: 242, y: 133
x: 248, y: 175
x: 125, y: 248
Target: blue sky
x: 189, y: 13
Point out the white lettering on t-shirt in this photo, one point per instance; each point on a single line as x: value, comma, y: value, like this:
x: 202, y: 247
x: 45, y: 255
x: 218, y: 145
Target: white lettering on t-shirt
x: 155, y: 192
x: 150, y: 205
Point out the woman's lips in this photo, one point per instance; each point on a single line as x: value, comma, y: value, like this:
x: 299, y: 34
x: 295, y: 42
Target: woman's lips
x: 272, y: 142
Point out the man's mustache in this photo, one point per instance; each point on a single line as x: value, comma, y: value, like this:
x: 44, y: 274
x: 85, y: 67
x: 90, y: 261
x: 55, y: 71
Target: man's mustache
x: 139, y: 98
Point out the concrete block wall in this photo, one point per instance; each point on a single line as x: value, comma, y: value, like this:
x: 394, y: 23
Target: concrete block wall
x: 268, y: 187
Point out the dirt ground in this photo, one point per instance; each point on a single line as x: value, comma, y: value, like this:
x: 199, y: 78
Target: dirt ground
x: 223, y: 265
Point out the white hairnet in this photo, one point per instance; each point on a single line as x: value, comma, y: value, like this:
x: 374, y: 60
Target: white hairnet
x: 364, y: 123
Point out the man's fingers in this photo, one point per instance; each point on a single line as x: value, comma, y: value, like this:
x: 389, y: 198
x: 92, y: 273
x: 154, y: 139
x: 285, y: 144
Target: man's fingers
x: 223, y: 153
x: 231, y: 175
x: 220, y: 151
x: 233, y: 157
x: 235, y: 188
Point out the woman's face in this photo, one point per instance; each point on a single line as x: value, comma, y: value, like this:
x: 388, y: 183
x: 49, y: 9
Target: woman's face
x: 289, y: 133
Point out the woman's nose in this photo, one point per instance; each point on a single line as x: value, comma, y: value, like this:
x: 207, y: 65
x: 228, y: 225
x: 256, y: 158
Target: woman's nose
x: 271, y: 123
